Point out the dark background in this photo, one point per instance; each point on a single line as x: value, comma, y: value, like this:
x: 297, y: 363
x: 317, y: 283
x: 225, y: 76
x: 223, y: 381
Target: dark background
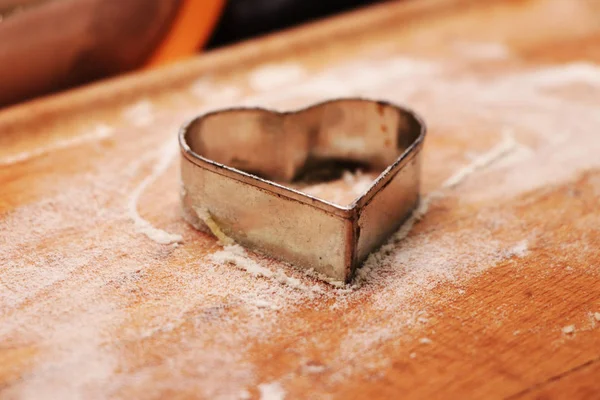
x: 243, y: 19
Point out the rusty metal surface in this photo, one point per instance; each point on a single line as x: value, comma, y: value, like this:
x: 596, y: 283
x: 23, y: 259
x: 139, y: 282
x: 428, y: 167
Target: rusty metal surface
x: 237, y: 166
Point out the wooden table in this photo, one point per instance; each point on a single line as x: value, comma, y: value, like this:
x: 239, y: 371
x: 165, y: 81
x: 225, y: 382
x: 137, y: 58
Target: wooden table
x: 495, y: 293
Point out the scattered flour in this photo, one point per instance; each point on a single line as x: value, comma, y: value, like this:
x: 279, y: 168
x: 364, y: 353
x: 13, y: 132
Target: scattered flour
x: 271, y: 391
x: 559, y: 76
x: 262, y: 304
x: 236, y: 255
x: 376, y: 258
x: 483, y: 161
x: 205, y: 88
x: 569, y: 329
x: 324, y: 278
x: 140, y: 114
x: 142, y: 225
x: 521, y: 249
x: 515, y: 102
x: 372, y: 78
x: 274, y: 76
x: 313, y: 369
x: 98, y: 132
x: 425, y: 341
x: 343, y: 191
x: 110, y: 313
x: 482, y: 50
x: 597, y: 316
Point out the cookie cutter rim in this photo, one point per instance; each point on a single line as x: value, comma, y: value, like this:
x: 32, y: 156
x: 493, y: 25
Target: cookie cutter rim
x: 295, y: 194
x: 351, y: 212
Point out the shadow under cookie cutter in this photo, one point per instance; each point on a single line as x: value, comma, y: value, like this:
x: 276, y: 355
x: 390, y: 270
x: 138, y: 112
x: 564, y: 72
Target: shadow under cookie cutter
x: 236, y: 163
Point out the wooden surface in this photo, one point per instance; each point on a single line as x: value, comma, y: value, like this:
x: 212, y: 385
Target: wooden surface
x: 472, y: 304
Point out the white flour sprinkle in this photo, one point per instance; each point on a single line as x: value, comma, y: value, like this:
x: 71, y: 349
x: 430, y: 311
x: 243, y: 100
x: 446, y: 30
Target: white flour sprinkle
x: 480, y: 162
x: 236, y: 255
x: 569, y: 329
x: 98, y: 132
x: 311, y: 369
x: 262, y: 303
x: 140, y: 114
x: 271, y: 391
x: 482, y: 50
x: 342, y: 191
x: 507, y: 145
x: 205, y: 88
x: 142, y: 225
x: 273, y: 76
x: 521, y: 249
x: 582, y: 73
x: 203, y: 319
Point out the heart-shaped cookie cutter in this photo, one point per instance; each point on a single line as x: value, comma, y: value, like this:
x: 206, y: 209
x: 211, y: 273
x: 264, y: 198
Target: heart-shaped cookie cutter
x: 235, y: 164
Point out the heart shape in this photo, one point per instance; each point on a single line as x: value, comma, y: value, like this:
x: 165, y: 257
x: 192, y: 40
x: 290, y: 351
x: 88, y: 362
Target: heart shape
x: 237, y: 165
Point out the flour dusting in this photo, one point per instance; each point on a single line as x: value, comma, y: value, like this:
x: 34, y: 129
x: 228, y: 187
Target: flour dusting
x: 98, y: 132
x: 482, y: 50
x: 271, y: 391
x: 142, y: 225
x: 273, y: 76
x: 204, y: 87
x: 236, y: 255
x: 140, y: 113
x: 507, y: 145
x: 342, y: 191
x: 102, y: 312
x: 569, y: 329
x: 583, y: 73
x: 521, y: 249
x: 376, y: 258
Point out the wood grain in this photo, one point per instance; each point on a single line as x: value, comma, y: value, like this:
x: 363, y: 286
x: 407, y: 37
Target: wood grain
x: 472, y: 304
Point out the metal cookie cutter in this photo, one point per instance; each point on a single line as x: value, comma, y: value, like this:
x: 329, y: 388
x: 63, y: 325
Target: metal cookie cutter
x: 236, y: 164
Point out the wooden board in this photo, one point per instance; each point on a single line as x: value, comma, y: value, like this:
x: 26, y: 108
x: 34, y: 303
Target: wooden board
x: 494, y: 294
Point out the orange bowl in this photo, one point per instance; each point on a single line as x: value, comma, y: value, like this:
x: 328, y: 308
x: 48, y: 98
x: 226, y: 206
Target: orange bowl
x: 189, y: 31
